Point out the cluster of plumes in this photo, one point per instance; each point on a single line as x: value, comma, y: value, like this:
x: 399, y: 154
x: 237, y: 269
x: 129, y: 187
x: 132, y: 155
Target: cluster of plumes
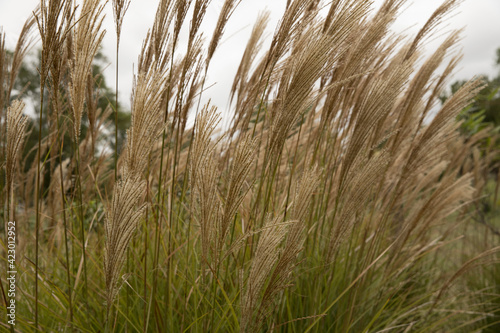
x: 345, y: 52
x: 274, y: 262
x: 88, y: 35
x: 159, y: 49
x: 204, y: 177
x: 124, y: 212
x: 372, y: 111
x: 369, y: 116
x: 338, y: 157
x: 54, y: 23
x: 54, y: 19
x: 163, y: 89
x: 214, y: 211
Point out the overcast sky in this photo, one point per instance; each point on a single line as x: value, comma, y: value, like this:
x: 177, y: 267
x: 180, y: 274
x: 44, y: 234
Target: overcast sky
x: 480, y: 18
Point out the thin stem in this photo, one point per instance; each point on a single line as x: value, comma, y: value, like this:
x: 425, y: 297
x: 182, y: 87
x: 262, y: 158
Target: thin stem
x: 82, y: 226
x: 9, y: 195
x: 159, y: 194
x: 116, y: 108
x: 170, y: 223
x: 65, y: 222
x: 146, y: 246
x: 292, y: 169
x: 37, y: 200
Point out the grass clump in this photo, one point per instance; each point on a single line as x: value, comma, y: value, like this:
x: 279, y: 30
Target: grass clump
x: 341, y: 198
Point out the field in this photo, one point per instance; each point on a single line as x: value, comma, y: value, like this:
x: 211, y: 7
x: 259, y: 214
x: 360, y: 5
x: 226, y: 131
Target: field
x: 342, y: 197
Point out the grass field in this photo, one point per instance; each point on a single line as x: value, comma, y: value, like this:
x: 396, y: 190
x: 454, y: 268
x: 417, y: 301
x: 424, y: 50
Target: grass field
x: 341, y: 198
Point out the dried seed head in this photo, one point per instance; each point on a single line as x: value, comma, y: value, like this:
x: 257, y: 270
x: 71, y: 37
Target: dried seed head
x: 226, y: 12
x: 16, y: 127
x: 122, y: 218
x: 240, y: 168
x: 204, y: 176
x: 147, y: 119
x: 87, y: 39
x: 254, y: 306
x: 120, y: 7
x: 53, y: 19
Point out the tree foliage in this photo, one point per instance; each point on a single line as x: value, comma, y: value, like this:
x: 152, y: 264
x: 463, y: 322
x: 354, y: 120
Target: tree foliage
x: 27, y: 87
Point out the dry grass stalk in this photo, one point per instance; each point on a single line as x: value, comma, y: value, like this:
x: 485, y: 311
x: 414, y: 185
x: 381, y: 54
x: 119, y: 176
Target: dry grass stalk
x: 52, y: 20
x: 373, y: 109
x: 24, y: 44
x: 434, y: 21
x: 203, y: 147
x: 273, y: 263
x: 203, y: 181
x: 252, y: 48
x: 3, y: 71
x: 146, y: 120
x: 267, y: 254
x: 356, y: 197
x: 190, y: 71
x: 122, y: 218
x: 315, y: 50
x: 123, y: 213
x: 16, y: 130
x: 286, y: 32
x: 3, y: 83
x: 194, y: 89
x: 225, y: 13
x: 238, y: 174
x: 181, y: 9
x: 155, y: 50
x: 410, y: 105
x: 200, y: 8
x: 120, y: 7
x: 87, y: 39
x: 53, y: 24
x: 432, y: 141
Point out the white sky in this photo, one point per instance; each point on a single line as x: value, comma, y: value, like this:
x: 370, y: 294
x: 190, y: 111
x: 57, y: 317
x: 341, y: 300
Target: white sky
x: 480, y: 18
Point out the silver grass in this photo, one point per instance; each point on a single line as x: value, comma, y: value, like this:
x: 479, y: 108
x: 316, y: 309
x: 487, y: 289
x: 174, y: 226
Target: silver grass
x: 87, y: 39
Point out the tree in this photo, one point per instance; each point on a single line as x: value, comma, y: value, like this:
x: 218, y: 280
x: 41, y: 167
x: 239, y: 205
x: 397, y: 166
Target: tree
x: 27, y: 87
x: 487, y: 103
